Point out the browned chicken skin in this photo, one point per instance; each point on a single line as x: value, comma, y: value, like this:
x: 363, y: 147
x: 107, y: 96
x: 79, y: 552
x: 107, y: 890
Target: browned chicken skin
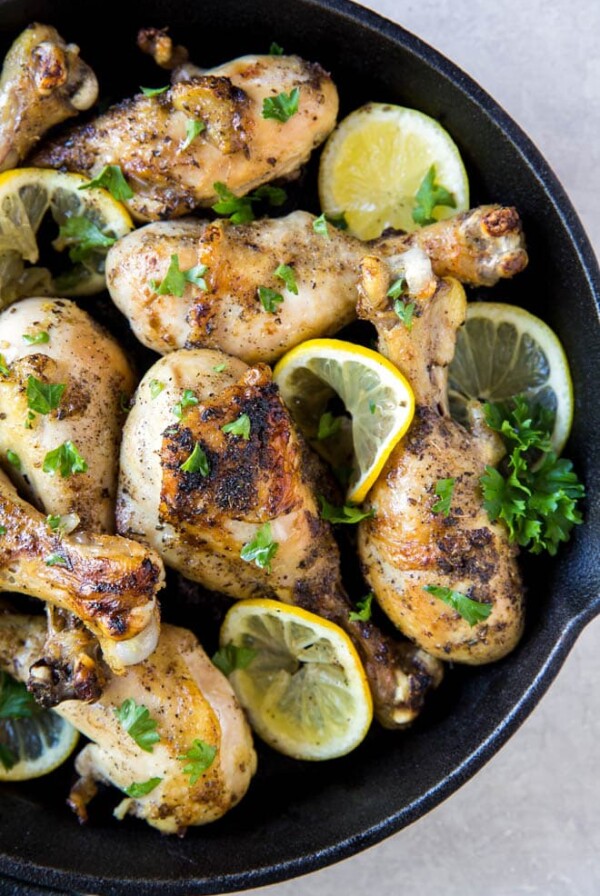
x: 43, y: 82
x: 407, y: 546
x: 188, y: 698
x: 146, y: 135
x: 200, y: 522
x: 479, y: 246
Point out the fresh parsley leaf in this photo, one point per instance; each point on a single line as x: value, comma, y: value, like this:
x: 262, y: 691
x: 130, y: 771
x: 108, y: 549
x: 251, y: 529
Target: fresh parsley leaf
x: 2, y: 530
x: 338, y: 221
x: 240, y: 427
x: 63, y: 525
x: 3, y: 366
x: 429, y: 196
x: 36, y: 338
x: 199, y: 757
x: 187, y: 400
x: 232, y: 657
x: 261, y: 549
x: 13, y: 459
x: 15, y: 700
x: 219, y: 368
x: 405, y: 312
x: 397, y: 288
x: 275, y: 196
x: 320, y: 226
x: 154, y: 91
x: 7, y: 757
x: 197, y: 462
x: 473, y: 611
x: 138, y: 723
x: 534, y: 492
x: 239, y: 208
x: 43, y: 397
x: 373, y: 407
x: 193, y: 127
x: 83, y: 237
x: 269, y: 298
x: 56, y: 560
x: 348, y: 513
x: 112, y: 179
x: 275, y: 49
x: 282, y: 106
x: 156, y: 387
x: 443, y: 489
x: 65, y: 460
x: 173, y: 283
x: 286, y: 273
x: 142, y: 788
x: 328, y: 425
x: 364, y: 609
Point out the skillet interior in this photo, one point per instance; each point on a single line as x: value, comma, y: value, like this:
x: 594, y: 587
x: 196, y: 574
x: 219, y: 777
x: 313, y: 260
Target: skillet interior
x: 299, y: 816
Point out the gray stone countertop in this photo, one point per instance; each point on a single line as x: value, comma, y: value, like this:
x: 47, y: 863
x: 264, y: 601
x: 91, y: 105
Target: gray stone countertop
x: 529, y: 821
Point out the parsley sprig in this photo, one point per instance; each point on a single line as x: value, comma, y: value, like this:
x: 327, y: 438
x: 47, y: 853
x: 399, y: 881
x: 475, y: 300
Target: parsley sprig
x: 112, y: 179
x: 138, y: 723
x: 199, y: 758
x: 282, y: 106
x: 473, y: 611
x: 534, y: 492
x: 232, y: 656
x: 429, y: 196
x: 261, y: 549
x: 174, y: 281
x: 348, y: 513
x: 239, y: 209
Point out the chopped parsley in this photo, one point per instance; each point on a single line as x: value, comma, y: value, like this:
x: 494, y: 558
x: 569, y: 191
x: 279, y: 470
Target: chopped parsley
x: 13, y: 459
x: 197, y: 462
x: 275, y: 49
x: 286, y: 273
x: 429, y: 196
x: 363, y: 610
x: 187, y: 400
x: 112, y: 179
x: 3, y: 366
x: 261, y: 549
x: 174, y: 281
x: 199, y: 758
x: 282, y: 106
x: 444, y: 489
x: 56, y: 560
x: 62, y: 525
x: 142, y: 788
x: 405, y: 311
x: 43, y: 397
x: 154, y: 91
x: 138, y: 723
x: 83, y: 237
x: 240, y: 427
x: 269, y: 298
x: 348, y: 513
x: 15, y: 700
x: 473, y: 611
x: 65, y: 460
x: 219, y: 368
x: 328, y: 425
x: 397, y: 288
x: 193, y: 127
x: 36, y: 338
x: 231, y: 657
x: 239, y: 209
x: 320, y: 226
x: 156, y: 387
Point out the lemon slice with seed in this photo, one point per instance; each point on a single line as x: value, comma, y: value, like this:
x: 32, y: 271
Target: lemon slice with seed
x: 35, y: 744
x: 503, y: 351
x: 304, y: 689
x: 374, y: 392
x: 27, y: 195
x: 374, y: 163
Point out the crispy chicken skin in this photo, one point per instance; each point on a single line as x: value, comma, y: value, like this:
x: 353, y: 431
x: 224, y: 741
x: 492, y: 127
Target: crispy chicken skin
x: 43, y: 82
x: 188, y: 698
x: 407, y: 545
x: 241, y: 258
x: 83, y: 357
x: 200, y: 523
x: 239, y: 147
x: 109, y: 582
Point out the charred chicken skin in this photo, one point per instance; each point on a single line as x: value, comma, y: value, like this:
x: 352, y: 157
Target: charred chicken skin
x: 201, y: 521
x: 408, y: 546
x: 478, y: 247
x: 237, y: 145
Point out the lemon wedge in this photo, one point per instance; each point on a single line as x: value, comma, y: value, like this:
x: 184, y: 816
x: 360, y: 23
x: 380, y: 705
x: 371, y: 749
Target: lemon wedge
x: 503, y: 351
x: 374, y: 392
x: 95, y: 219
x: 376, y: 161
x: 33, y: 741
x: 304, y: 687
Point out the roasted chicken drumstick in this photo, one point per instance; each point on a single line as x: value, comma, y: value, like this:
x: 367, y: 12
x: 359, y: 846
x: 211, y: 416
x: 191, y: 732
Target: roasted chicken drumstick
x: 210, y: 465
x: 419, y: 561
x: 191, y: 702
x: 235, y: 143
x: 241, y: 260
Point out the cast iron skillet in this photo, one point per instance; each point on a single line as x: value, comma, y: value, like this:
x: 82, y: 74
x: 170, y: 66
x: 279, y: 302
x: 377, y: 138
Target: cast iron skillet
x: 298, y: 817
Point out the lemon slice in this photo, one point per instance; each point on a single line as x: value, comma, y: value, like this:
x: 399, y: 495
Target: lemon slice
x: 374, y: 163
x: 32, y: 745
x: 304, y: 689
x: 26, y: 195
x: 374, y: 392
x: 503, y: 351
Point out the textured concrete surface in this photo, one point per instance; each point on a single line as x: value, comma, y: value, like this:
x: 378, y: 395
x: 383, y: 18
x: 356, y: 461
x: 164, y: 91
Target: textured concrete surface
x: 529, y: 823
